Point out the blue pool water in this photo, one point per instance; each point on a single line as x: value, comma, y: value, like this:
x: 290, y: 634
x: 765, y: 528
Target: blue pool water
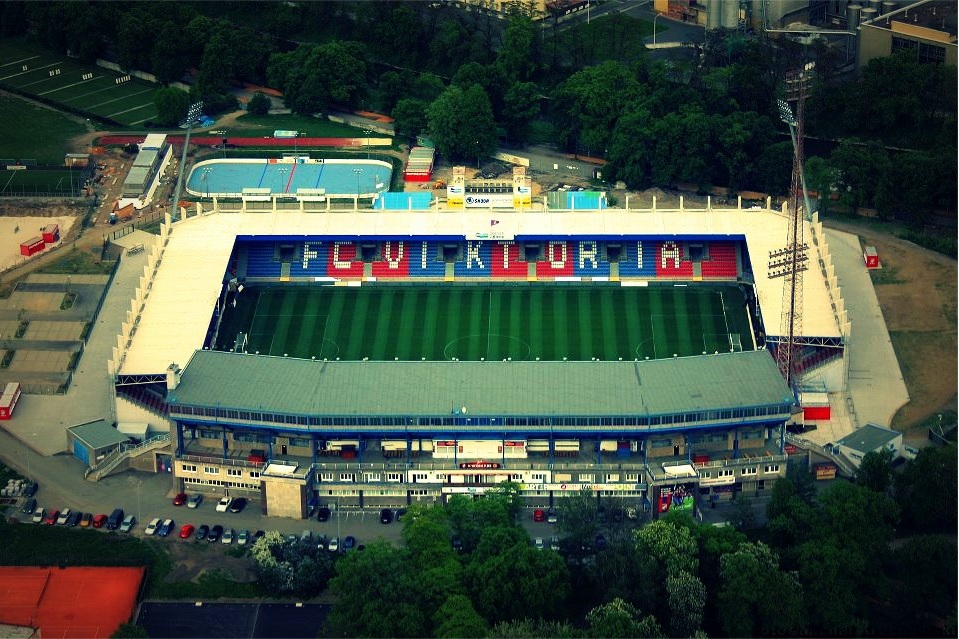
x: 219, y: 178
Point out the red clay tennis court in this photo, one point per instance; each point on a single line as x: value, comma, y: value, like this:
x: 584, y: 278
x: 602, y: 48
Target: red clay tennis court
x: 69, y: 602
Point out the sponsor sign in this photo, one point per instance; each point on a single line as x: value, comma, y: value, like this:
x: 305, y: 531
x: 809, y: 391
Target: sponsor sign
x: 487, y: 200
x: 718, y: 481
x: 479, y: 464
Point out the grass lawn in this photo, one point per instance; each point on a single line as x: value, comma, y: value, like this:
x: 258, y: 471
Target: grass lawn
x: 78, y: 262
x: 29, y: 131
x: 249, y: 125
x: 493, y: 322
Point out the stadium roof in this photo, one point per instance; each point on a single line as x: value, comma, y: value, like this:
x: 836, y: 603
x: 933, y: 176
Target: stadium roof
x: 654, y: 387
x: 178, y: 307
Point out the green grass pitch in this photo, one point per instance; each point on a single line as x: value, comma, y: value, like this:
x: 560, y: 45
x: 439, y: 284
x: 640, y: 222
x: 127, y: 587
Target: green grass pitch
x: 493, y: 322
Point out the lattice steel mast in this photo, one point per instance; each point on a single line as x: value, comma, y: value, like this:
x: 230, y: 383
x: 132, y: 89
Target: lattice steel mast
x: 790, y: 261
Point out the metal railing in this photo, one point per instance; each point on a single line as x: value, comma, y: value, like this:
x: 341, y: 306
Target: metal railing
x: 123, y: 452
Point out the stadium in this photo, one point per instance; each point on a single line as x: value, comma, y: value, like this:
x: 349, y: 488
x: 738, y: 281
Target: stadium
x: 374, y: 357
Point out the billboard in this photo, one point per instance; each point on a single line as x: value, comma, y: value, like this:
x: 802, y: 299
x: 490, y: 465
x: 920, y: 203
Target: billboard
x: 489, y: 200
x: 678, y: 497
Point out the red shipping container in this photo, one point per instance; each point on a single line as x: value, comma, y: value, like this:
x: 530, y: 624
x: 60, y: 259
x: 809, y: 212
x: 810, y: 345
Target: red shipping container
x: 51, y: 233
x: 32, y: 246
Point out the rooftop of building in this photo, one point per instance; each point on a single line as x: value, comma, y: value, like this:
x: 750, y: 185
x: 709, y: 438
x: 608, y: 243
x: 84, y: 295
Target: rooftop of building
x: 935, y: 15
x: 645, y: 388
x: 868, y: 438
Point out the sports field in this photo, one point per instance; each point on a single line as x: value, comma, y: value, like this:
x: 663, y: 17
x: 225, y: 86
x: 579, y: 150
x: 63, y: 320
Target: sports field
x: 548, y: 322
x: 54, y: 77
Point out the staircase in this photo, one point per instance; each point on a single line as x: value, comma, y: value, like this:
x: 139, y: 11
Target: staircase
x: 123, y: 453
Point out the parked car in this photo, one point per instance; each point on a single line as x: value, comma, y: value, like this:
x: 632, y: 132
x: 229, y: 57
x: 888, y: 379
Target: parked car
x: 257, y: 535
x: 237, y: 505
x: 322, y: 542
x: 551, y: 516
x: 180, y: 499
x: 186, y: 531
x: 457, y: 544
x: 223, y: 504
x: 152, y: 526
x: 349, y: 543
x: 323, y: 514
x: 228, y: 536
x: 539, y: 515
x: 51, y: 517
x: 243, y: 537
x: 85, y: 520
x: 166, y: 528
x: 538, y: 543
x: 127, y: 524
x: 334, y: 544
x: 202, y: 532
x: 38, y: 515
x: 30, y: 489
x: 306, y: 536
x: 194, y: 500
x: 29, y: 506
x: 554, y: 543
x: 215, y: 533
x: 74, y: 519
x: 98, y: 520
x: 115, y: 519
x: 386, y: 516
x: 63, y: 517
x: 399, y: 513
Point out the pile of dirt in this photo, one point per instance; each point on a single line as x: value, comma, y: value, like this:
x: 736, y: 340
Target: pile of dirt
x: 40, y: 207
x: 191, y: 560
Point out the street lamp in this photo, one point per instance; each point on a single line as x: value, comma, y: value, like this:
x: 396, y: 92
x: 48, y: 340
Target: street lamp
x: 192, y: 114
x: 367, y: 132
x: 655, y: 17
x: 358, y: 172
x: 139, y: 518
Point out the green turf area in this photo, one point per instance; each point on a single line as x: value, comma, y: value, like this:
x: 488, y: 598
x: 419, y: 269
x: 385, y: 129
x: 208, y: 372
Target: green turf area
x: 129, y: 103
x: 249, y: 125
x: 30, y: 131
x: 33, y: 182
x: 493, y: 322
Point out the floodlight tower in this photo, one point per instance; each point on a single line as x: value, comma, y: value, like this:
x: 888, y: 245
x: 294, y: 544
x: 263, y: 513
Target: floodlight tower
x: 191, y: 115
x: 790, y: 261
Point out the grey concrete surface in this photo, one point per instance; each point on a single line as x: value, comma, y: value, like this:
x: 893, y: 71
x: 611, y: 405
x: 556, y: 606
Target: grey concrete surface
x: 41, y: 421
x: 875, y: 380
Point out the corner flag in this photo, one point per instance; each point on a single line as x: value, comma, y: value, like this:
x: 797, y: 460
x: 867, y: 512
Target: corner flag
x: 493, y: 222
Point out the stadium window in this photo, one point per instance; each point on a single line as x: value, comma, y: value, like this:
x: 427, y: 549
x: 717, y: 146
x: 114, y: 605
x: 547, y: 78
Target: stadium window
x: 243, y: 415
x: 254, y: 475
x: 234, y: 472
x: 189, y: 468
x: 748, y: 471
x: 727, y: 414
x: 586, y: 478
x: 661, y: 443
x: 326, y: 477
x: 773, y: 468
x: 209, y: 434
x: 726, y: 472
x: 761, y: 484
x: 211, y: 470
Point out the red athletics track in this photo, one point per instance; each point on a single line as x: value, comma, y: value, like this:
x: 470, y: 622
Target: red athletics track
x: 177, y: 140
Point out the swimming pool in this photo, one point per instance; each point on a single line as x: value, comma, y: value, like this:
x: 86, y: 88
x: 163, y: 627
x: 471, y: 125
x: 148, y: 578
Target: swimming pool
x: 288, y: 176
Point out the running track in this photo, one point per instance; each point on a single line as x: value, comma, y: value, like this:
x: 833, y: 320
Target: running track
x: 176, y: 140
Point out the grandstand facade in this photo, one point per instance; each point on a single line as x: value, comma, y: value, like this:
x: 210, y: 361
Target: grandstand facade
x: 296, y: 430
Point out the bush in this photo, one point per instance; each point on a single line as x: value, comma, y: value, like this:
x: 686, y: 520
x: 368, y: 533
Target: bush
x: 259, y: 104
x: 941, y: 243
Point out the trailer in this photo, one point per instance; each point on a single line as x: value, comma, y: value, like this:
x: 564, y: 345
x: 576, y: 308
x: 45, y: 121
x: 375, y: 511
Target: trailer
x: 8, y: 399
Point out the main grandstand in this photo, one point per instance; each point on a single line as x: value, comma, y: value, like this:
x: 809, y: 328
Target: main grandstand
x: 363, y: 358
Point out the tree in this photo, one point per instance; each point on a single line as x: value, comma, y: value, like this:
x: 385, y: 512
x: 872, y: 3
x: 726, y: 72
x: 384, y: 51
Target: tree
x: 171, y: 104
x: 521, y: 108
x: 578, y: 520
x: 517, y: 57
x: 756, y: 597
x: 620, y: 619
x: 461, y: 123
x: 374, y: 592
x: 687, y: 597
x: 409, y: 117
x: 509, y: 579
x: 924, y: 568
x: 926, y: 491
x: 874, y: 471
x: 129, y: 631
x: 457, y: 618
x: 216, y: 68
x: 259, y: 104
x: 527, y: 628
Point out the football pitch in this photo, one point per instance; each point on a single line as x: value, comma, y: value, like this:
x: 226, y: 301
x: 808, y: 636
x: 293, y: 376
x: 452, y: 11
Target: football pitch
x: 492, y: 322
